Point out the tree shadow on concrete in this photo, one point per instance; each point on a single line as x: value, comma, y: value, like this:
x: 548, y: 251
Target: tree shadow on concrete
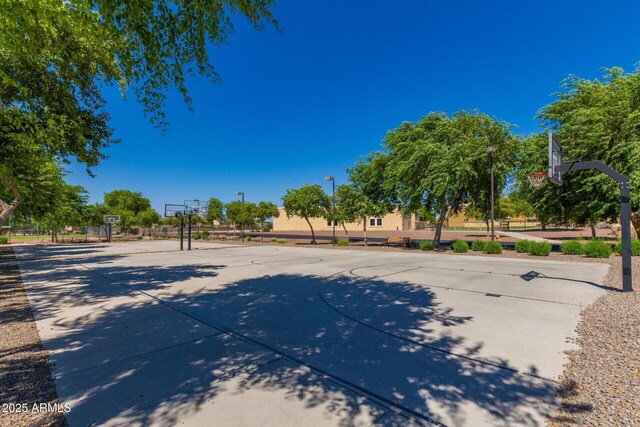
x: 145, y: 361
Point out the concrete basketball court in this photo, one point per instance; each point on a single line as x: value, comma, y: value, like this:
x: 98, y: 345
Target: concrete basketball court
x: 228, y: 335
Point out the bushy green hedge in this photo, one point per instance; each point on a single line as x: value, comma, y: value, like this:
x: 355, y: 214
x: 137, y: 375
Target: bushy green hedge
x: 4, y: 240
x: 523, y: 246
x: 460, y: 246
x: 572, y: 247
x: 478, y: 245
x: 635, y: 247
x: 427, y: 245
x: 413, y: 244
x: 540, y: 248
x: 597, y: 248
x: 493, y: 248
x: 343, y: 241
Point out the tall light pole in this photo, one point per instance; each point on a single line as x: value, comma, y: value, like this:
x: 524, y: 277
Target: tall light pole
x: 240, y: 193
x: 333, y: 205
x: 490, y: 150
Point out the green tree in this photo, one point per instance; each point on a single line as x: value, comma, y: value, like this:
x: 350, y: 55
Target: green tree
x: 215, y: 210
x: 308, y: 201
x: 264, y: 211
x: 598, y: 120
x: 126, y: 200
x: 65, y: 209
x: 355, y: 206
x: 240, y: 214
x: 148, y: 218
x: 441, y: 162
x: 56, y: 56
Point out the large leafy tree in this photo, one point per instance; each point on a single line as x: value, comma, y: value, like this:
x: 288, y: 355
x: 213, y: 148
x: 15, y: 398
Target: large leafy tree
x: 441, y: 164
x: 241, y: 214
x: 308, y: 201
x: 56, y: 55
x: 355, y: 206
x: 598, y: 120
x: 215, y: 210
x: 264, y: 211
x: 128, y: 204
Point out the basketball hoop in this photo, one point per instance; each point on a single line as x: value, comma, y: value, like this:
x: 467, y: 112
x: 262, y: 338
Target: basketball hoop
x: 536, y: 178
x: 112, y: 220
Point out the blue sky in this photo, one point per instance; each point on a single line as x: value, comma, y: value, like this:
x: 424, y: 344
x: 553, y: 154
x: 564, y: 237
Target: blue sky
x: 307, y: 102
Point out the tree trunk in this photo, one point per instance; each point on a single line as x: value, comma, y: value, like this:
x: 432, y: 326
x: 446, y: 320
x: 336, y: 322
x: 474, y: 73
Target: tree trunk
x: 635, y: 220
x: 543, y: 225
x: 593, y: 230
x: 439, y: 225
x: 345, y: 229
x: 261, y: 231
x: 313, y: 236
x: 486, y: 221
x: 364, y: 229
x: 7, y: 209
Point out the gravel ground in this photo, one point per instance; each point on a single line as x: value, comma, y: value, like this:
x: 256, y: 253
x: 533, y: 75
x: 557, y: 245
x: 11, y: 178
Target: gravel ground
x: 25, y: 377
x: 601, y: 382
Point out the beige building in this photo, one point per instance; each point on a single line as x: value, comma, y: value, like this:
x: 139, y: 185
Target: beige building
x: 394, y: 221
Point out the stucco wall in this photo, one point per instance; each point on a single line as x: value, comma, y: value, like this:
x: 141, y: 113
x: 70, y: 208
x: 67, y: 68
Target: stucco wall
x: 393, y: 221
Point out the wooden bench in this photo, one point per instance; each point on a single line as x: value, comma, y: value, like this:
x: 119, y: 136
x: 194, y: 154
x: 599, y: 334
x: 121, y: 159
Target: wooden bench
x: 397, y: 240
x: 219, y: 236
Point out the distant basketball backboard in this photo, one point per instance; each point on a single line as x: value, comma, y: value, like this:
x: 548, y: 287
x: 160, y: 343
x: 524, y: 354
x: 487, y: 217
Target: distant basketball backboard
x: 174, y: 210
x: 555, y: 159
x: 111, y: 219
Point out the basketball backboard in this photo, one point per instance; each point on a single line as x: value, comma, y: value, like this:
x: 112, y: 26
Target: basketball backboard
x: 195, y: 207
x: 173, y: 210
x: 555, y: 159
x: 111, y: 219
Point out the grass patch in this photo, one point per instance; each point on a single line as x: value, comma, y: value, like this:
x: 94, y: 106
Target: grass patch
x: 279, y: 241
x: 4, y: 240
x: 343, y: 241
x: 427, y: 245
x: 493, y: 248
x: 460, y: 246
x: 540, y: 248
x: 597, y: 248
x: 572, y: 247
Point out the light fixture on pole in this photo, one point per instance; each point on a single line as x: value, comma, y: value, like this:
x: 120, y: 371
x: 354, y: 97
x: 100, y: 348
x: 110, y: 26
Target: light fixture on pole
x: 491, y: 150
x: 333, y: 205
x: 240, y: 193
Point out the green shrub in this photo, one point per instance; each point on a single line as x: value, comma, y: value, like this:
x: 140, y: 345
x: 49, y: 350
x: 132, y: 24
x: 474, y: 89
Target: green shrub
x: 205, y: 234
x: 572, y: 247
x: 523, y: 246
x: 343, y: 241
x: 413, y: 244
x: 248, y: 238
x: 635, y: 247
x: 139, y: 237
x: 478, y: 245
x: 427, y: 245
x: 273, y: 239
x: 4, y: 240
x: 459, y: 246
x: 493, y: 248
x: 597, y: 248
x: 281, y: 241
x: 540, y: 248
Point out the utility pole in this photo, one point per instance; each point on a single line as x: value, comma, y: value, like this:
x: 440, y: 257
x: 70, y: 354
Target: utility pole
x: 333, y: 206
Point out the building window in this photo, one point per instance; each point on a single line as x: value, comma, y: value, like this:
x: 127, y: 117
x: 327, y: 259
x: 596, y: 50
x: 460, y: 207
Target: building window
x: 330, y: 224
x: 375, y: 222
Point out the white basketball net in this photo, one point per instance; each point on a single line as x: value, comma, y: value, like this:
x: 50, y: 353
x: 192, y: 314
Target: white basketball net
x: 535, y: 179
